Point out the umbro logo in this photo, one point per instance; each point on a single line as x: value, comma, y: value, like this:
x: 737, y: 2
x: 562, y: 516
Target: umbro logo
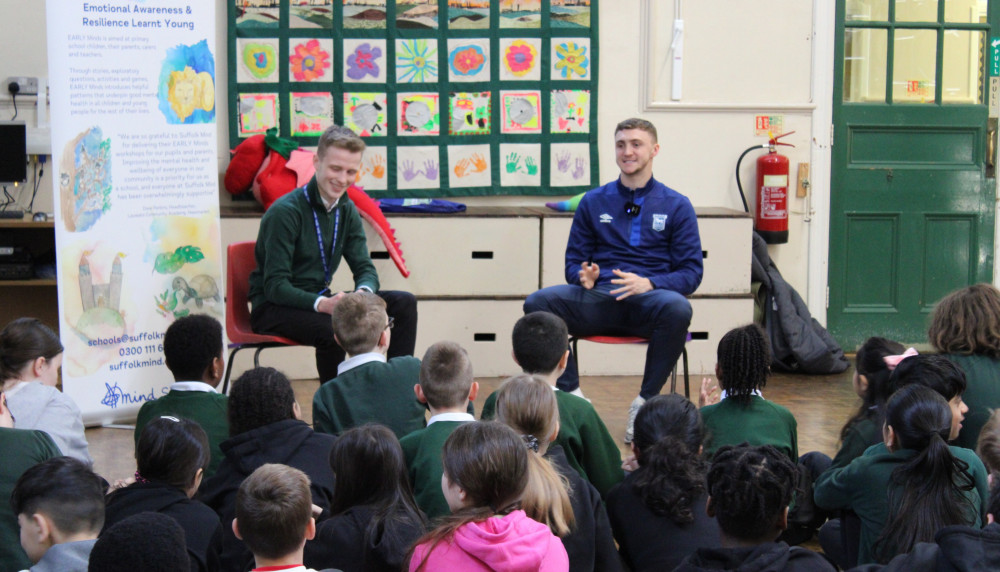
x: 606, y: 218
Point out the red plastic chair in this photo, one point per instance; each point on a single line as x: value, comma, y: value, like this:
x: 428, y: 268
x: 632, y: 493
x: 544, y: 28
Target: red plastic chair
x: 239, y: 266
x: 635, y: 340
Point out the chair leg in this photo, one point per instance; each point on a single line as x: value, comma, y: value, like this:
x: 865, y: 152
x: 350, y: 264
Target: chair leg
x: 576, y: 363
x: 687, y: 384
x: 229, y: 370
x: 256, y: 356
x: 673, y: 380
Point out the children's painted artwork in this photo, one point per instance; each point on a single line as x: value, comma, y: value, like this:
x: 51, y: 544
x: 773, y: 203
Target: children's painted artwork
x: 364, y: 14
x: 257, y: 60
x: 186, y: 91
x: 570, y: 111
x: 416, y: 61
x: 258, y: 113
x: 469, y: 166
x: 468, y: 59
x: 418, y: 167
x: 570, y: 14
x: 520, y: 59
x: 312, y: 113
x: 365, y: 113
x: 520, y: 164
x: 469, y: 113
x: 185, y: 262
x: 310, y: 60
x: 520, y: 13
x: 419, y: 113
x: 569, y: 164
x: 570, y: 58
x: 311, y: 14
x: 372, y: 176
x: 85, y: 180
x: 417, y: 15
x: 257, y: 14
x: 520, y: 112
x: 468, y: 14
x: 364, y: 61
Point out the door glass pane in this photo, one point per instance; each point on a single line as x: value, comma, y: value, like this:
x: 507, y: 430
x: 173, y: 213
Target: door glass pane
x: 962, y: 68
x: 913, y: 66
x: 965, y: 11
x: 864, y: 64
x: 916, y: 10
x: 866, y: 10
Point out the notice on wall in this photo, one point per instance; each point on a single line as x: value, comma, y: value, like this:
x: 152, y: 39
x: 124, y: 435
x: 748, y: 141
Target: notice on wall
x: 136, y: 190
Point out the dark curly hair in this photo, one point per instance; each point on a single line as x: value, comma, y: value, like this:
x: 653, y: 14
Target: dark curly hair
x: 190, y: 346
x: 671, y: 474
x: 750, y: 487
x: 744, y: 358
x: 261, y: 396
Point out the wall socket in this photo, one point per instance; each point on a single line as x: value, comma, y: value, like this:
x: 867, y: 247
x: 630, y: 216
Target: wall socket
x: 28, y: 85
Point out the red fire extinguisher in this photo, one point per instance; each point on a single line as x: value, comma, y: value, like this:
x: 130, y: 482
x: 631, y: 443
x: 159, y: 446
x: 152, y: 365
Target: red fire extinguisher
x: 771, y: 213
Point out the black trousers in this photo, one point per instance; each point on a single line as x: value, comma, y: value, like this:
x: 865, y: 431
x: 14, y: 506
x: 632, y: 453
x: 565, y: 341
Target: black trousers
x: 315, y: 329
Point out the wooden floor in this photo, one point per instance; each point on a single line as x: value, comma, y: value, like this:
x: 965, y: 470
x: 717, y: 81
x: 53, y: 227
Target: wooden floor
x: 820, y: 404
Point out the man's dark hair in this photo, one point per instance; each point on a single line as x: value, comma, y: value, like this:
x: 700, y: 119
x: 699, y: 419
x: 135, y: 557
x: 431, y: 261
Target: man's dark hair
x: 750, y: 487
x: 259, y: 397
x: 190, y: 345
x: 540, y: 341
x: 340, y: 137
x: 64, y: 489
x: 636, y: 123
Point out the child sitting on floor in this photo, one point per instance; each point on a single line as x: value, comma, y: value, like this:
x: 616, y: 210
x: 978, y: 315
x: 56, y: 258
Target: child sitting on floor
x: 446, y: 386
x: 540, y: 348
x: 192, y: 350
x: 374, y: 517
x: 749, y: 489
x: 368, y: 388
x: 744, y: 415
x: 60, y: 507
x: 485, y: 474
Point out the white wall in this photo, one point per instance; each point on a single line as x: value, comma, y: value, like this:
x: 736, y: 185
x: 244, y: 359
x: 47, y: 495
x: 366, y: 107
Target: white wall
x: 740, y: 61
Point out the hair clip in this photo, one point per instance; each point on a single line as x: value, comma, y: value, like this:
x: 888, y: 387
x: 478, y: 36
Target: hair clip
x: 139, y: 478
x: 171, y: 418
x: 892, y: 361
x: 531, y: 441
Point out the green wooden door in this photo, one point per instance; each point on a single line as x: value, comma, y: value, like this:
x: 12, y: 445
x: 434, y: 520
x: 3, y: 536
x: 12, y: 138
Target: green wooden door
x: 912, y: 198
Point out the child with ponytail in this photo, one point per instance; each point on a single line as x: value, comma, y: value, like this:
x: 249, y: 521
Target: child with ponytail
x: 920, y: 485
x: 658, y: 512
x: 485, y: 475
x: 556, y: 494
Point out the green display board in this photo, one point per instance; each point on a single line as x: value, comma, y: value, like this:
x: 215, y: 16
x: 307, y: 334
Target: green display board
x: 453, y: 97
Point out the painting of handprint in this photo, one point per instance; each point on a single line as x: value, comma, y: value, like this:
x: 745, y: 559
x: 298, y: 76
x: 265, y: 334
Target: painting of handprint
x: 373, y: 174
x: 570, y: 165
x: 520, y: 164
x: 470, y: 166
x: 417, y: 167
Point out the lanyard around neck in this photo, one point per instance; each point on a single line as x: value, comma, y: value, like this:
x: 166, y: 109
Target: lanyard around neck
x: 327, y: 266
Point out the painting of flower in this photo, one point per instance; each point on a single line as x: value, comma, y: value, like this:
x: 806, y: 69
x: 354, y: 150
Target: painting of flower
x: 520, y: 58
x: 571, y: 59
x: 309, y: 61
x: 258, y: 60
x: 364, y: 62
x: 467, y: 60
x: 416, y: 61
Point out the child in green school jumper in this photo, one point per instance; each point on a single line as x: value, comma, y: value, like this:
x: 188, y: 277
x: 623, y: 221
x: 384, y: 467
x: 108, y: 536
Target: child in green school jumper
x: 744, y: 415
x: 368, y: 387
x: 446, y: 386
x: 192, y: 349
x: 539, y: 340
x: 908, y: 489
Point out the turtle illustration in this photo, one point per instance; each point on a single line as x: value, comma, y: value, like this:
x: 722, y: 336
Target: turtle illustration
x: 202, y: 287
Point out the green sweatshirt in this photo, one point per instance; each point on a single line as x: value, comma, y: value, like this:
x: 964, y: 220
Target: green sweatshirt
x: 289, y: 263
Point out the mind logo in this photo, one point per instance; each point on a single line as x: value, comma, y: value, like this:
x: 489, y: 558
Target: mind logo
x: 659, y: 222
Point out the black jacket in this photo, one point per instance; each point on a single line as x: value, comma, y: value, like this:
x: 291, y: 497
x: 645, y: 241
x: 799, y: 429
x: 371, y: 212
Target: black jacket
x: 955, y: 549
x: 590, y: 545
x: 340, y: 543
x: 202, y: 529
x: 769, y: 557
x: 289, y: 442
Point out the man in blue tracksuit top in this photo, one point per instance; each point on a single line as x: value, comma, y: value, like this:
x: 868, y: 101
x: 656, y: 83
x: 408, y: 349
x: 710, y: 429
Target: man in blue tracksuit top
x: 633, y: 256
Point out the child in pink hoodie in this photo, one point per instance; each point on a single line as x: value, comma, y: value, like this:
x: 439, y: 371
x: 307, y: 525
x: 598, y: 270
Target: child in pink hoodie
x: 485, y: 474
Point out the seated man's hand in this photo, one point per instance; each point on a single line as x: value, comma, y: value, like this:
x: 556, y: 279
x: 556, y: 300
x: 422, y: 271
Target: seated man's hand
x: 589, y: 272
x: 630, y: 284
x: 327, y: 305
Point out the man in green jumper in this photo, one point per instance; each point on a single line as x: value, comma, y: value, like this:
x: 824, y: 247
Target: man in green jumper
x: 301, y: 240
